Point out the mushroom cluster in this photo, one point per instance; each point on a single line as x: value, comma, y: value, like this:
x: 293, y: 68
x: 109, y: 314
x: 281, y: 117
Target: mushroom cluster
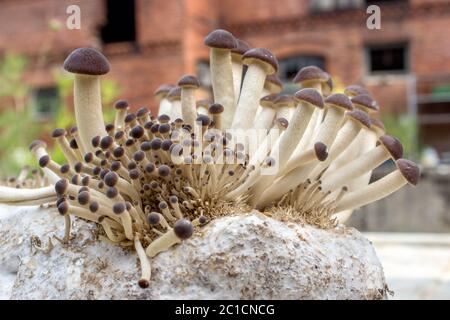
x: 149, y: 181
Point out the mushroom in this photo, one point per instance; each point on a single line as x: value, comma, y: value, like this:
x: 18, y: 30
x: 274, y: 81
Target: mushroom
x: 121, y: 107
x: 38, y: 149
x: 264, y: 119
x: 261, y: 62
x: 182, y: 230
x: 354, y: 90
x: 285, y: 106
x: 389, y: 148
x: 238, y: 67
x: 144, y: 281
x: 216, y: 111
x: 60, y: 136
x: 174, y: 97
x: 407, y: 172
x: 221, y: 43
x: 272, y: 85
x: 160, y: 95
x: 364, y: 102
x: 88, y: 65
x: 188, y: 85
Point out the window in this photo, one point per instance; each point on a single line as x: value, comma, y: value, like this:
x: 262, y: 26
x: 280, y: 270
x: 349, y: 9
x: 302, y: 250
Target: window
x: 46, y: 102
x: 332, y: 5
x: 288, y: 68
x: 387, y: 58
x: 121, y: 24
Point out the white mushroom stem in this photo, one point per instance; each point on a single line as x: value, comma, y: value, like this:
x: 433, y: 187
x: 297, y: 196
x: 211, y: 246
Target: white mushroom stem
x: 8, y: 194
x: 34, y: 202
x: 23, y: 175
x: 355, y: 168
x: 188, y: 107
x: 330, y: 126
x: 83, y: 213
x: 145, y: 263
x: 237, y: 69
x: 88, y: 109
x: 164, y: 107
x: 373, y: 192
x: 264, y: 118
x: 68, y: 152
x: 222, y: 82
x: 119, y: 120
x: 162, y: 243
x: 284, y: 185
x: 344, y: 138
x: 175, y: 110
x: 250, y: 96
x: 284, y: 147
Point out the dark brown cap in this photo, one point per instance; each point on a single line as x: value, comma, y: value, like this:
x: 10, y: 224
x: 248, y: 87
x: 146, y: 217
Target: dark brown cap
x: 163, y: 90
x: 311, y: 96
x: 365, y: 101
x: 282, y: 123
x: 188, y: 81
x: 267, y: 101
x: 264, y: 56
x: 58, y: 133
x: 393, y: 146
x: 360, y: 116
x: 153, y: 218
x: 121, y: 105
x: 354, y: 90
x: 221, y: 39
x: 284, y: 100
x: 242, y: 47
x: 273, y: 84
x: 183, y: 229
x: 409, y: 170
x: 174, y: 94
x: 216, y: 108
x: 37, y: 144
x: 43, y: 161
x: 377, y: 123
x: 321, y: 151
x: 142, y: 112
x: 339, y: 100
x: 86, y: 61
x: 311, y: 73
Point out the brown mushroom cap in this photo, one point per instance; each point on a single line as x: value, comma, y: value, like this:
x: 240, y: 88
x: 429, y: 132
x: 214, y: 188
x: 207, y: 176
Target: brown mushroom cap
x: 174, y: 94
x: 393, y: 146
x: 86, y: 61
x: 221, y: 39
x: 284, y: 100
x: 354, y: 90
x: 37, y: 144
x: 321, y: 151
x: 339, y: 100
x: 282, y: 123
x: 121, y: 105
x: 365, y: 101
x: 311, y: 73
x: 360, y: 116
x: 188, y: 81
x: 162, y: 90
x: 273, y: 84
x: 409, y: 170
x: 58, y: 132
x: 216, y: 108
x: 262, y: 56
x: 377, y: 123
x: 267, y: 101
x: 241, y: 47
x: 183, y: 229
x: 311, y: 96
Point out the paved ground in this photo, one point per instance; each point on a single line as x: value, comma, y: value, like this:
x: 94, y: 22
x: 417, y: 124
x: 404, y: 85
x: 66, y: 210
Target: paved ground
x: 417, y: 266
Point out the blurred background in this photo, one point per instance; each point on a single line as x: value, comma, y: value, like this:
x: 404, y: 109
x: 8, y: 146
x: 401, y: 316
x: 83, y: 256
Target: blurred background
x: 405, y: 64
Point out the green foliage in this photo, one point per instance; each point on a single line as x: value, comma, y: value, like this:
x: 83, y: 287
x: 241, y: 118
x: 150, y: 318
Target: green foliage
x: 403, y: 127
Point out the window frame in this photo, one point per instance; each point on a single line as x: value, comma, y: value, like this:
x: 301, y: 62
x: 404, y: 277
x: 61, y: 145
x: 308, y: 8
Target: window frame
x: 368, y: 59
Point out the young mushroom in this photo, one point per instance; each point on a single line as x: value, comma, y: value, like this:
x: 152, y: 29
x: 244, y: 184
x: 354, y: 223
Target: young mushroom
x: 188, y: 85
x: 407, y: 172
x: 221, y: 43
x: 160, y: 95
x: 261, y: 62
x: 88, y: 65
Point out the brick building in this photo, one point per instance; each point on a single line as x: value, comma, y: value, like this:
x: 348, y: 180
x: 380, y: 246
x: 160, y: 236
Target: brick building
x: 148, y: 42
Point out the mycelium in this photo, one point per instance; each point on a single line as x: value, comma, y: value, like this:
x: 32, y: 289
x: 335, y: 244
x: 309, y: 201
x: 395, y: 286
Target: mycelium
x: 150, y: 182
